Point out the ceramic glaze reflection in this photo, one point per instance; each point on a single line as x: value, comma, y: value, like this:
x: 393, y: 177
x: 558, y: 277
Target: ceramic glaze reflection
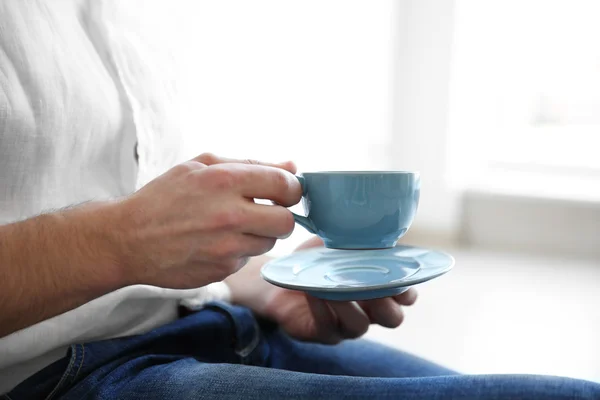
x: 360, y: 210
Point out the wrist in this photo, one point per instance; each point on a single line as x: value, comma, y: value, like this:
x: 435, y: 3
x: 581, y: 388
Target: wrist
x: 77, y: 244
x: 104, y: 242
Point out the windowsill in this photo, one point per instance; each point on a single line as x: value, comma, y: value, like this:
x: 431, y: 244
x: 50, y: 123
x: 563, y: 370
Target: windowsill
x: 539, y: 185
x: 533, y: 213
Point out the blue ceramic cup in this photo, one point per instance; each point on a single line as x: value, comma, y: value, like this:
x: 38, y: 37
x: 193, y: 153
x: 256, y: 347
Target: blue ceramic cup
x: 359, y: 210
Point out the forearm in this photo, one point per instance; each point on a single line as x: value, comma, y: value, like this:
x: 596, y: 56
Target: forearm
x: 56, y: 262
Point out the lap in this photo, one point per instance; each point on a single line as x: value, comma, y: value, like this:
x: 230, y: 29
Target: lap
x: 224, y: 352
x: 189, y: 379
x: 350, y: 358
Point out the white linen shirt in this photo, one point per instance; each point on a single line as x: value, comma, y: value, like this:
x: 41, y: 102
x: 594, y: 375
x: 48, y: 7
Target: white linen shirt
x: 82, y: 92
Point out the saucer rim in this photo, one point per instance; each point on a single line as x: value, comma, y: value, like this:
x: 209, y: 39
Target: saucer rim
x: 410, y: 281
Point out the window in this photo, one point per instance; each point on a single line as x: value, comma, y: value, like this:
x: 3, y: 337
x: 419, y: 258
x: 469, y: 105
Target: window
x: 525, y: 97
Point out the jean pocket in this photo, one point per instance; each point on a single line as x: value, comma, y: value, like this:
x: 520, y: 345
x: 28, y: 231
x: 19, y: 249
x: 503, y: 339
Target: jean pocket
x: 249, y: 344
x: 53, y: 380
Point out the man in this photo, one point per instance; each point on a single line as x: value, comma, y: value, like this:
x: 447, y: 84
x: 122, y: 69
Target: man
x: 148, y: 287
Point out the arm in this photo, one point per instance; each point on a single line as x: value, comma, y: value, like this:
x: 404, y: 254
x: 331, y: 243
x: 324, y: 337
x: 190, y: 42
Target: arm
x: 56, y: 262
x: 188, y: 228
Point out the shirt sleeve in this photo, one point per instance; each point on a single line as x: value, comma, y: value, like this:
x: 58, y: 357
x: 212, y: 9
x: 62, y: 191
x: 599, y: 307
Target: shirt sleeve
x: 218, y: 291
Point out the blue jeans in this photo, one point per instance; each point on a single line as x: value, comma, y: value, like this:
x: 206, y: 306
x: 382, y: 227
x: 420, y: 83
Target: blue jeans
x: 224, y: 352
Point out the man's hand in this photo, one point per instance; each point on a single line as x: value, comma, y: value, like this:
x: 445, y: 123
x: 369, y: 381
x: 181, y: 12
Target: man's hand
x: 194, y: 225
x: 198, y: 223
x: 307, y: 318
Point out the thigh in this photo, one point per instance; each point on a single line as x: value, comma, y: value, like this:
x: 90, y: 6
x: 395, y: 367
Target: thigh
x: 216, y: 334
x: 222, y: 352
x: 191, y: 379
x: 352, y: 357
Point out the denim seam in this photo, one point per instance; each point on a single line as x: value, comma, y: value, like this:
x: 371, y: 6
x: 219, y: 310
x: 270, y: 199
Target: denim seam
x: 65, y: 375
x: 81, y: 364
x: 246, y: 351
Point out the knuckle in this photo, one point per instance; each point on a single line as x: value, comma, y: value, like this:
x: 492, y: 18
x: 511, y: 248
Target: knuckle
x: 289, y: 186
x: 281, y: 179
x: 207, y: 158
x: 187, y: 167
x: 284, y: 186
x: 228, y: 219
x: 221, y: 178
x: 251, y: 162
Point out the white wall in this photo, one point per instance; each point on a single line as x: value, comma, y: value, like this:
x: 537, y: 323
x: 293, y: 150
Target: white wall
x: 309, y: 81
x: 303, y: 80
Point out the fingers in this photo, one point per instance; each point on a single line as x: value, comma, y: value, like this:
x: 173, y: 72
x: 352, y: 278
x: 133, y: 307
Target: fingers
x: 336, y: 320
x: 325, y: 329
x: 251, y: 245
x: 211, y: 159
x: 266, y: 181
x: 407, y: 298
x: 385, y: 312
x: 388, y: 312
x: 262, y: 182
x: 353, y: 322
x: 253, y: 181
x: 268, y: 221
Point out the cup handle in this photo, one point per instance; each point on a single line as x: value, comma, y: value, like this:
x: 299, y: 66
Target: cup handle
x: 300, y: 219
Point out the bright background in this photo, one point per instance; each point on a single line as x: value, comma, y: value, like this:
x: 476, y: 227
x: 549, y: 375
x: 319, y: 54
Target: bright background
x: 496, y: 103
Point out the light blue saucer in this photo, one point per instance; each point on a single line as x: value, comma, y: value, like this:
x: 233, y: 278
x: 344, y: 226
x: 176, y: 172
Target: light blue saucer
x: 349, y: 275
